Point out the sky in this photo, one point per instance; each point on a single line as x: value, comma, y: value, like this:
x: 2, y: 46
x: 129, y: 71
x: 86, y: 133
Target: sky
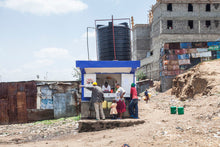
x: 42, y: 39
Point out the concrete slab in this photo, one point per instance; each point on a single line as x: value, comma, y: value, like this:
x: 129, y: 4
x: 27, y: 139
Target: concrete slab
x: 94, y: 125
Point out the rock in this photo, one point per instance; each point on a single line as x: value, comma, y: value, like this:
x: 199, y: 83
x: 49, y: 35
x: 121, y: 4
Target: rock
x: 179, y: 128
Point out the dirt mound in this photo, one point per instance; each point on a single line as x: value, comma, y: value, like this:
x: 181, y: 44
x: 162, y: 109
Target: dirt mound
x: 204, y: 79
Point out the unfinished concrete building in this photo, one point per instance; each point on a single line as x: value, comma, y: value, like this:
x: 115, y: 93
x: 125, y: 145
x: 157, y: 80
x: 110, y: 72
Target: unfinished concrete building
x: 141, y: 41
x: 179, y: 21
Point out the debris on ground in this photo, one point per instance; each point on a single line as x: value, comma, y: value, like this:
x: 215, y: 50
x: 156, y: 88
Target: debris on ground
x: 41, y: 130
x: 202, y: 80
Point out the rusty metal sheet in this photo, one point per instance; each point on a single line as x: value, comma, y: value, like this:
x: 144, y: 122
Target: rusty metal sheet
x: 3, y: 90
x: 4, y: 119
x: 39, y: 114
x: 12, y: 105
x: 21, y: 107
x: 21, y: 87
x: 12, y: 88
x: 31, y: 95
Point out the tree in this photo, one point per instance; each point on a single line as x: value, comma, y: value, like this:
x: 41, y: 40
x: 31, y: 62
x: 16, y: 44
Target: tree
x: 76, y: 74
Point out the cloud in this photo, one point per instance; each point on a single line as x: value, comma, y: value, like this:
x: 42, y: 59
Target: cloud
x: 52, y: 53
x: 38, y: 64
x: 44, y: 7
x: 91, y: 34
x: 116, y: 1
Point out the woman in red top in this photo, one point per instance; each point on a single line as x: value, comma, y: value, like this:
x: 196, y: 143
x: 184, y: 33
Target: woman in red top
x: 133, y: 106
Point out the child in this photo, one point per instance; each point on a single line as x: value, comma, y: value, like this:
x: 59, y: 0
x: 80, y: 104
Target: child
x: 113, y: 110
x: 146, y: 96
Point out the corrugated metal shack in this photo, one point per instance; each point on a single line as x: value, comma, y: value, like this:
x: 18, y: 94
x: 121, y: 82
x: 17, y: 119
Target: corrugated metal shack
x: 176, y: 58
x: 22, y: 102
x: 143, y: 85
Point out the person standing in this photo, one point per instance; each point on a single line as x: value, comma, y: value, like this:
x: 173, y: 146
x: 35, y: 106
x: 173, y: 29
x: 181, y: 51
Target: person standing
x: 113, y: 110
x: 97, y: 99
x: 121, y: 107
x: 146, y: 96
x: 133, y: 106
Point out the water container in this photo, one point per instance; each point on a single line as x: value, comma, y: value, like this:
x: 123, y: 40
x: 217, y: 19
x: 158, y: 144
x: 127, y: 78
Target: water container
x: 172, y: 110
x: 104, y: 105
x: 106, y: 43
x: 180, y: 110
x: 109, y: 105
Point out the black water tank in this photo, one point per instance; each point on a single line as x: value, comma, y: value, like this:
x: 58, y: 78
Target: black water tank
x: 122, y: 42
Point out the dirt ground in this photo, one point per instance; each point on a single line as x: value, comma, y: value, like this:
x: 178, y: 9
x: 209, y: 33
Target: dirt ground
x: 199, y: 126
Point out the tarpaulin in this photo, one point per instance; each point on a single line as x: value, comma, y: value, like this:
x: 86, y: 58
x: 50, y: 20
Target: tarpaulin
x: 172, y: 67
x: 183, y: 67
x: 202, y: 50
x: 205, y: 59
x: 165, y: 62
x: 184, y: 62
x: 174, y: 45
x: 171, y: 73
x: 218, y: 54
x: 181, y: 51
x: 214, y: 55
x: 213, y: 43
x: 161, y: 52
x: 173, y: 62
x: 172, y: 57
x: 199, y: 44
x: 205, y: 54
x: 186, y: 45
x: 214, y: 48
x: 195, y: 55
x: 166, y: 46
x: 165, y: 67
x: 171, y: 52
x: 193, y: 50
x: 184, y: 56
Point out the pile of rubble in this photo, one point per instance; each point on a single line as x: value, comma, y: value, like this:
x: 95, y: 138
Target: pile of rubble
x: 20, y: 133
x: 203, y: 79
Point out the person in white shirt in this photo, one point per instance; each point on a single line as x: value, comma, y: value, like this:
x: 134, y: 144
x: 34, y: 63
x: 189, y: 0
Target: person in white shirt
x: 121, y: 107
x: 106, y: 88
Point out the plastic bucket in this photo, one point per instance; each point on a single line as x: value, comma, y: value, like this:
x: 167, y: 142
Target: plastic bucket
x: 104, y: 105
x: 180, y: 110
x: 109, y: 105
x: 172, y: 110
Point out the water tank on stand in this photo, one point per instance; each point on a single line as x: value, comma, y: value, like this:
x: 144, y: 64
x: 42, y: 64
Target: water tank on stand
x: 106, y: 44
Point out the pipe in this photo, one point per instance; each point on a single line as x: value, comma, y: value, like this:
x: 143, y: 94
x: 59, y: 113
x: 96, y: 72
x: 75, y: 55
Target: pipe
x: 113, y: 33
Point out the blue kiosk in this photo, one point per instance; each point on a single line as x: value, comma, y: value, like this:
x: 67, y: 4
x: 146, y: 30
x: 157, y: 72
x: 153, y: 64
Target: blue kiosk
x: 112, y: 72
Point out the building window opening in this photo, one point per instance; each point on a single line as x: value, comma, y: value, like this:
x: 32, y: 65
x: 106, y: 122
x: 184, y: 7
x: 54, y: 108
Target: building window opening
x: 216, y: 6
x: 208, y: 23
x: 169, y: 7
x: 190, y: 7
x: 208, y: 7
x: 190, y: 24
x: 170, y: 24
x: 151, y: 53
x: 216, y: 23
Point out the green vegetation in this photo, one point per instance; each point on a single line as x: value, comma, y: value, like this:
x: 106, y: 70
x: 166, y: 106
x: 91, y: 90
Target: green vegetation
x: 63, y: 120
x: 140, y: 75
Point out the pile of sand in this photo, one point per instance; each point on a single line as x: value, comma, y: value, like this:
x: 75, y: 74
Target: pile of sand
x: 203, y: 79
x: 152, y: 90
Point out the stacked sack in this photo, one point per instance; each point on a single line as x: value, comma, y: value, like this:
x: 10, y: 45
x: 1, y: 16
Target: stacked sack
x: 178, y: 57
